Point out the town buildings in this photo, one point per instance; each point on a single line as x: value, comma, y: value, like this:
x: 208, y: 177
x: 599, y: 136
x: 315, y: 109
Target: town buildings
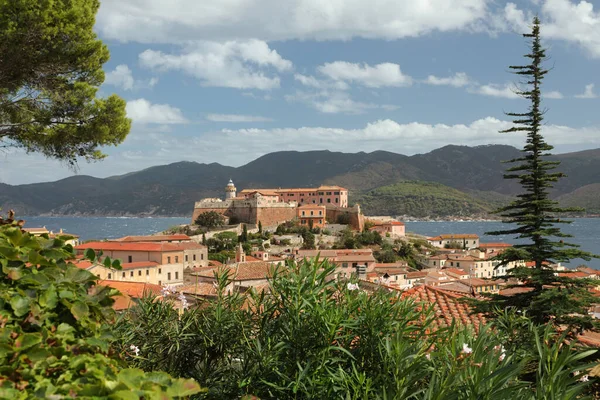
x: 393, y: 229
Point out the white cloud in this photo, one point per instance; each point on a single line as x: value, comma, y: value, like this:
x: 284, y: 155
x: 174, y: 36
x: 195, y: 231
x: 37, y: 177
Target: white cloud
x: 121, y: 76
x: 553, y: 95
x: 234, y: 64
x: 506, y: 91
x: 380, y: 75
x: 178, y: 21
x: 588, y: 93
x: 142, y: 111
x: 236, y: 118
x: 575, y: 22
x: 335, y: 102
x: 459, y: 79
x: 313, y: 82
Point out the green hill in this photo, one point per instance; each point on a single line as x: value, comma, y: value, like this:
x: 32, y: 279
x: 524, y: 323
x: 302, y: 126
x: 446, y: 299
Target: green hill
x: 421, y: 199
x: 586, y: 197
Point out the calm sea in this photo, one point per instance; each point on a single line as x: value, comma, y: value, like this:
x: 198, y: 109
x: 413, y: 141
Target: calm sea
x: 586, y: 231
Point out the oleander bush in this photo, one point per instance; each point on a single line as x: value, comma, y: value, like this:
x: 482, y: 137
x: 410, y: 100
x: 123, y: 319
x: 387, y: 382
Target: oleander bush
x: 55, y: 329
x: 313, y: 337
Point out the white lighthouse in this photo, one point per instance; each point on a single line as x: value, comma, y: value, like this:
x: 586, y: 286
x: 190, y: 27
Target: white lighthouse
x: 230, y: 190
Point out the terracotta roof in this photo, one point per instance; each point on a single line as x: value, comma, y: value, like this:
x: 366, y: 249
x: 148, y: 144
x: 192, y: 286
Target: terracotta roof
x: 588, y: 270
x: 83, y: 264
x: 416, y: 275
x: 455, y: 236
x: 499, y: 245
x: 446, y: 305
x: 139, y: 264
x: 189, y: 246
x: 515, y: 290
x: 477, y: 282
x: 573, y: 274
x: 129, y: 246
x: 199, y: 289
x: 355, y: 258
x: 455, y: 271
x: 242, y: 271
x: 399, y: 264
x: 132, y: 289
x: 153, y: 238
x: 215, y: 263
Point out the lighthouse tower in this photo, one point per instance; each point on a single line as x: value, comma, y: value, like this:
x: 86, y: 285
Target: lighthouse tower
x: 230, y: 190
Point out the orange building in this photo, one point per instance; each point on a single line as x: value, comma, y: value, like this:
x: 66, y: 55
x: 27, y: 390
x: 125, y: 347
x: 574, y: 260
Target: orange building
x: 311, y: 212
x: 334, y: 195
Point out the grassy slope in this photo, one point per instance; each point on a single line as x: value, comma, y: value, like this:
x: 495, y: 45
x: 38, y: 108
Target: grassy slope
x: 421, y: 199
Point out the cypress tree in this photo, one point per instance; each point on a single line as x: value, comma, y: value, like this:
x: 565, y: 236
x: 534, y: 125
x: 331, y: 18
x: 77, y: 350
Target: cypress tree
x: 536, y: 217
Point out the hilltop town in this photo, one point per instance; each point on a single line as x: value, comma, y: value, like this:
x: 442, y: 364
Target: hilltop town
x: 248, y: 234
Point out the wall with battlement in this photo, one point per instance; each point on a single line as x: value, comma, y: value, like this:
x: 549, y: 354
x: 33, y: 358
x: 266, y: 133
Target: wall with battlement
x: 249, y: 211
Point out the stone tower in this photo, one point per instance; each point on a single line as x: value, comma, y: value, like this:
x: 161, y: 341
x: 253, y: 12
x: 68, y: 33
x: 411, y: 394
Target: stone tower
x: 230, y: 190
x: 240, y: 255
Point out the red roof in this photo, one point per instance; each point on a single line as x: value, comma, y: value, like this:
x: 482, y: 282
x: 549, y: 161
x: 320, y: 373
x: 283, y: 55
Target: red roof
x: 129, y: 246
x: 130, y: 291
x: 447, y: 305
x: 574, y: 274
x: 139, y: 264
x: 154, y: 238
x: 486, y: 245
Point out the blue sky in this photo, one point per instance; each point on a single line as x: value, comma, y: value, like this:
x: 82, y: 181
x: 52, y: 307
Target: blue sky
x: 230, y: 80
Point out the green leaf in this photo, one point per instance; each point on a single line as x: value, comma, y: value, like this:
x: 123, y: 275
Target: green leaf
x: 79, y: 310
x: 131, y: 377
x: 90, y: 255
x: 49, y: 298
x: 183, y: 387
x: 124, y: 395
x: 27, y: 340
x: 20, y: 305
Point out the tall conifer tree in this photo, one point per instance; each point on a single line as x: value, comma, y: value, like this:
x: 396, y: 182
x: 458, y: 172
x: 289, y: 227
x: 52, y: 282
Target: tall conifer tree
x: 545, y: 296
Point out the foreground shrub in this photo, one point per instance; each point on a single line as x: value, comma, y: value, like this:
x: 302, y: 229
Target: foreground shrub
x: 55, y: 335
x: 316, y: 338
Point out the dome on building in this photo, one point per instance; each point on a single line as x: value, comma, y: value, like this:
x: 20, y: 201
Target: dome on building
x: 230, y: 190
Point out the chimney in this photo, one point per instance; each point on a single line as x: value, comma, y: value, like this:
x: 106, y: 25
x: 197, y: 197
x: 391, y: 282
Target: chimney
x: 240, y: 255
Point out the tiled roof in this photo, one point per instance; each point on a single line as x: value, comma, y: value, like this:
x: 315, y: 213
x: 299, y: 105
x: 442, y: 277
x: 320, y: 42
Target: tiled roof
x: 199, y: 289
x: 455, y: 236
x: 498, y: 245
x: 515, y: 290
x: 477, y: 282
x: 132, y: 289
x: 588, y: 270
x: 153, y: 238
x: 416, y: 275
x: 189, y: 246
x: 129, y: 246
x: 215, y: 263
x: 139, y: 264
x: 455, y: 271
x: 573, y: 274
x: 446, y: 305
x: 242, y: 271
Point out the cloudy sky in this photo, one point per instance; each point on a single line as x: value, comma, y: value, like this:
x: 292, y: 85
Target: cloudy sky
x: 229, y: 80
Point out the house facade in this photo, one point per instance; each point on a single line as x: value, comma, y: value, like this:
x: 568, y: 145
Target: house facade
x: 462, y: 241
x: 311, y: 215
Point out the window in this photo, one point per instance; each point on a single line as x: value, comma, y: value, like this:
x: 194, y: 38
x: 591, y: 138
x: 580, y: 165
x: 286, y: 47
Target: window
x: 176, y: 275
x: 320, y: 221
x: 314, y: 201
x: 123, y: 274
x: 140, y: 272
x: 328, y: 193
x: 457, y: 264
x: 194, y: 257
x: 159, y: 283
x: 176, y: 259
x: 301, y: 200
x: 168, y: 276
x: 109, y: 275
x: 303, y: 213
x: 160, y: 271
x: 321, y: 200
x: 303, y: 222
x: 186, y: 258
x: 329, y: 200
x: 202, y: 256
x: 336, y: 193
x: 131, y: 274
x: 168, y: 260
x: 434, y: 263
x: 147, y: 272
x: 320, y: 193
x: 129, y: 259
x: 312, y: 213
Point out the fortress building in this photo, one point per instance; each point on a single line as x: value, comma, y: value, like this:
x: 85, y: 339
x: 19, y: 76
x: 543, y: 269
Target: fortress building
x: 275, y: 206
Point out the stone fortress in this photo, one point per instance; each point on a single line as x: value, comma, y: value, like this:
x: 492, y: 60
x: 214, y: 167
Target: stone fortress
x: 272, y: 207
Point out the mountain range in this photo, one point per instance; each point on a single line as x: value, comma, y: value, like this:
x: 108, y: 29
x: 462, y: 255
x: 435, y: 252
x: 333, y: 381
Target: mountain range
x: 171, y: 190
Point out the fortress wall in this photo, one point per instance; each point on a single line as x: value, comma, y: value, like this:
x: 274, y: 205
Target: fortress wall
x: 275, y: 214
x: 357, y: 219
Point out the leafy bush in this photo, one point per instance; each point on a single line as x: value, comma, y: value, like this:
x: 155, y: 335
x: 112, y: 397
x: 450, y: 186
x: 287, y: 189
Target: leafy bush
x: 209, y: 219
x: 54, y: 341
x: 317, y: 338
